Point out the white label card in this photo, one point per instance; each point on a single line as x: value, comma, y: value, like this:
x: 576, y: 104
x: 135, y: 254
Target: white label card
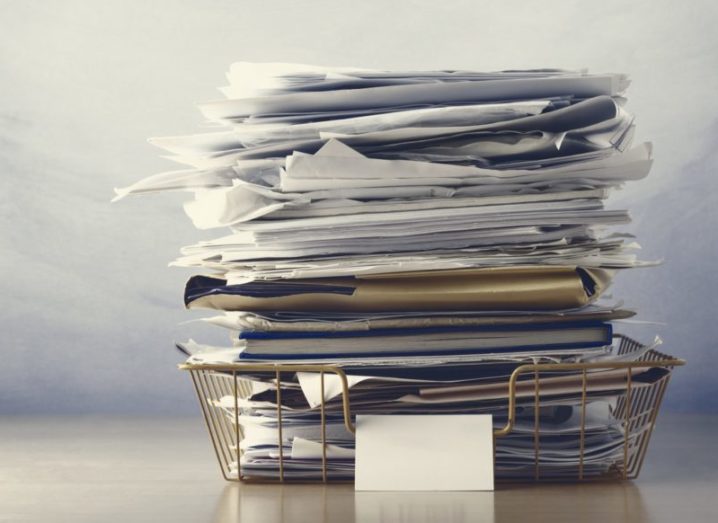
x: 424, y: 452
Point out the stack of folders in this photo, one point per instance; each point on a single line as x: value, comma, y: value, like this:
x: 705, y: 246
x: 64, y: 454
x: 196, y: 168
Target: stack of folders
x: 426, y: 231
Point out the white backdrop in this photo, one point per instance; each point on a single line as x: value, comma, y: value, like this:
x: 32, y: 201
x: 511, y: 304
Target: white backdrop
x: 90, y: 309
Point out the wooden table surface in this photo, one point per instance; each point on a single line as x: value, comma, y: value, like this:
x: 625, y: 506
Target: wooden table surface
x: 152, y: 469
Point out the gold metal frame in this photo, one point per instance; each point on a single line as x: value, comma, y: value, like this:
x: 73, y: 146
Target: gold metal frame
x: 638, y: 407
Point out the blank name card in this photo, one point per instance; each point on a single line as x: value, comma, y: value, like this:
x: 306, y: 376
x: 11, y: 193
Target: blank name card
x: 424, y: 452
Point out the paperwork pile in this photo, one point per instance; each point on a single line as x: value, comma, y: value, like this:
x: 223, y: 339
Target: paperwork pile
x: 427, y: 232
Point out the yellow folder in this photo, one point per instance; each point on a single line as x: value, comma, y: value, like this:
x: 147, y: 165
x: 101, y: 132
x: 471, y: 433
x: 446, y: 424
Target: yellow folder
x: 500, y: 289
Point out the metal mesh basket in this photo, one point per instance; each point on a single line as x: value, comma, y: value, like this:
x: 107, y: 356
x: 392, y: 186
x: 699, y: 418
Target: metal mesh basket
x: 635, y: 408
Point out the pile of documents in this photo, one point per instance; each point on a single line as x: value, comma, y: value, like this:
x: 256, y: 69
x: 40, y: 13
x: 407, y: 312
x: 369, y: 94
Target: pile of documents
x: 425, y: 231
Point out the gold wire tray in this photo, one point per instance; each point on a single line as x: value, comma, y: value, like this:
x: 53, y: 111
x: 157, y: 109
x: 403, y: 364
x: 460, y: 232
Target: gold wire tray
x: 637, y: 407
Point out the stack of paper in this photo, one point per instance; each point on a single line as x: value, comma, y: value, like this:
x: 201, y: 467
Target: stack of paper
x: 427, y: 232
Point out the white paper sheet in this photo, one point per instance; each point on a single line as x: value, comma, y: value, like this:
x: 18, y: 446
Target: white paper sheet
x: 430, y: 93
x: 444, y: 452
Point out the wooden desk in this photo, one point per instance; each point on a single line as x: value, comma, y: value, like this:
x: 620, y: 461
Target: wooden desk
x: 139, y: 469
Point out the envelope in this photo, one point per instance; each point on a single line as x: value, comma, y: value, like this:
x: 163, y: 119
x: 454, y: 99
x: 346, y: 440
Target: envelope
x: 499, y: 288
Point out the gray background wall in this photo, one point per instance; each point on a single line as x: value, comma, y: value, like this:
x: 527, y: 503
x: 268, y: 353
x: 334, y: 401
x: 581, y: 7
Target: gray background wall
x: 90, y: 309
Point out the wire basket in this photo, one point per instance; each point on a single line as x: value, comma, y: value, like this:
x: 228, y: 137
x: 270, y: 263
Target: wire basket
x: 636, y: 409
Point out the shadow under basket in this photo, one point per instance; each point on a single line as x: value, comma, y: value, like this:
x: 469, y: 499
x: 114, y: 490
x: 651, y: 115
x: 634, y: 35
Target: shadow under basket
x: 634, y: 408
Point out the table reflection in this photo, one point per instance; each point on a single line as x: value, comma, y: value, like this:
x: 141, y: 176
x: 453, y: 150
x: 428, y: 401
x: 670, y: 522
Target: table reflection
x: 247, y: 503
